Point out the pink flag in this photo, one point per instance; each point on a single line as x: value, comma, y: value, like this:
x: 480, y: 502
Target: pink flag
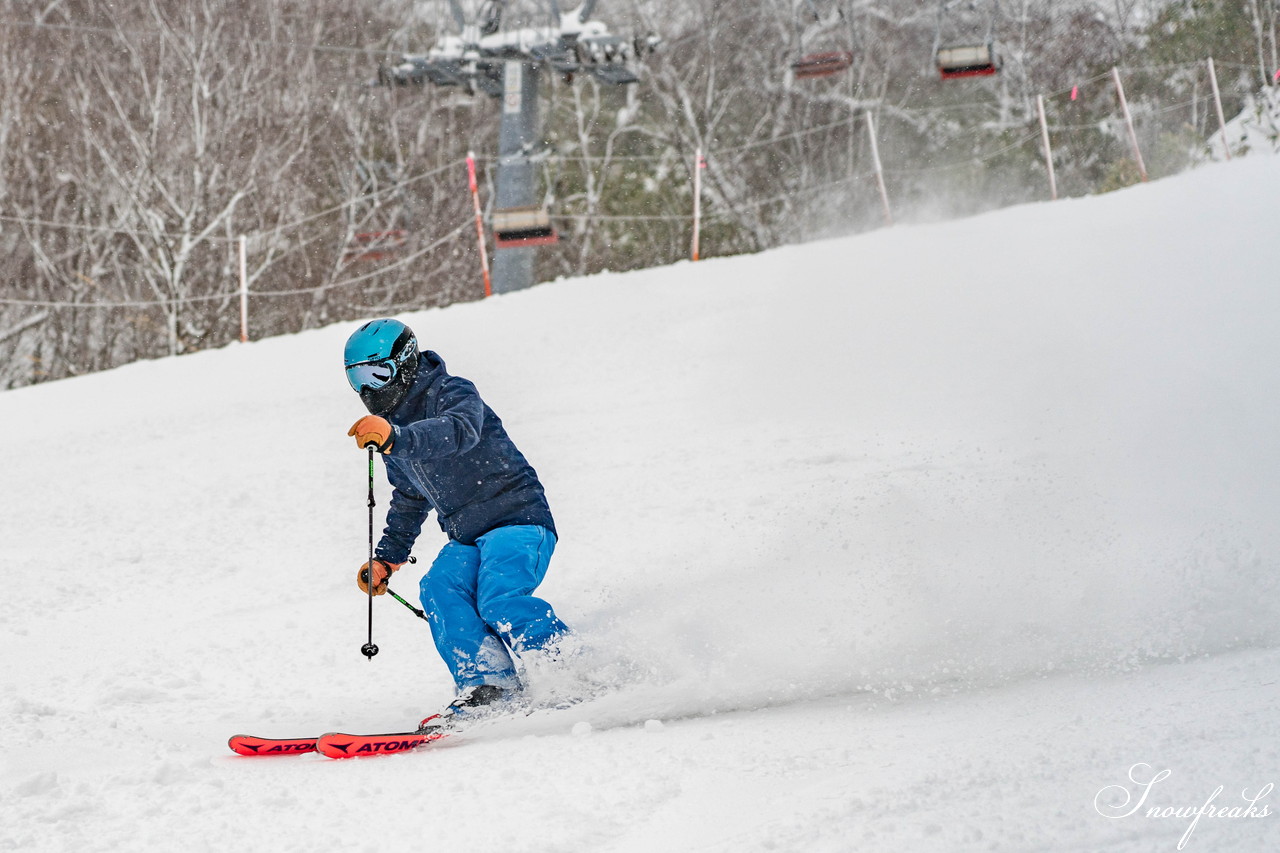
x: 1075, y: 91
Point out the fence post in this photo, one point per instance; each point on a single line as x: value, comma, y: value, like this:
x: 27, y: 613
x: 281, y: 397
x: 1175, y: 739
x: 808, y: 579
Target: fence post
x: 698, y: 166
x: 475, y: 202
x: 1128, y: 120
x: 875, y: 159
x: 1217, y: 104
x: 1048, y: 151
x: 244, y: 292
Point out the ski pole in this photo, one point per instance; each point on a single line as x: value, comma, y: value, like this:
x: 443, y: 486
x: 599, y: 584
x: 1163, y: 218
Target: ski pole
x: 417, y: 611
x: 369, y: 649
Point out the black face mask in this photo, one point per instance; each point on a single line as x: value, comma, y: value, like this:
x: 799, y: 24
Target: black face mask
x: 383, y: 401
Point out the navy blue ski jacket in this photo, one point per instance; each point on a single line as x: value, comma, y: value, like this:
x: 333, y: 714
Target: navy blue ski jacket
x: 450, y: 453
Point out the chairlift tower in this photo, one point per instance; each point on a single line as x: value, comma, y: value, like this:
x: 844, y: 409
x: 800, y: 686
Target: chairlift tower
x: 507, y: 64
x: 517, y: 134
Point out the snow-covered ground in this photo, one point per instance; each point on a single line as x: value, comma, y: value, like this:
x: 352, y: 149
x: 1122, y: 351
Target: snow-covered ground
x: 940, y: 538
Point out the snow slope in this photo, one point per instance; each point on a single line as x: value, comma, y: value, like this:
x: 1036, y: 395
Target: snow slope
x: 918, y: 540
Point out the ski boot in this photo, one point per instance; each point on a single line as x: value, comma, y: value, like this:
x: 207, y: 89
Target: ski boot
x: 473, y: 703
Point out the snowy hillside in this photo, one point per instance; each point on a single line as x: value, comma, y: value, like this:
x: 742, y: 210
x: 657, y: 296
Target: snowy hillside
x: 914, y: 541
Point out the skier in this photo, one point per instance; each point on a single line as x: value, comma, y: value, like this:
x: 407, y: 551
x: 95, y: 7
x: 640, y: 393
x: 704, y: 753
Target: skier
x: 445, y: 449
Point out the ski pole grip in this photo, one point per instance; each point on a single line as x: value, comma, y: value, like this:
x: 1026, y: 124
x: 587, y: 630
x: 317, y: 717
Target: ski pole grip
x: 364, y: 576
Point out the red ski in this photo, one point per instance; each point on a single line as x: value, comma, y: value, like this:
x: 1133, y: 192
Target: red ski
x: 250, y: 745
x: 340, y: 745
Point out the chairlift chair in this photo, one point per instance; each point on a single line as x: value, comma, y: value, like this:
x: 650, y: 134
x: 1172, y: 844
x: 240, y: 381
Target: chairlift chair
x: 375, y: 245
x: 966, y: 58
x: 523, y: 227
x: 810, y: 66
x: 823, y: 64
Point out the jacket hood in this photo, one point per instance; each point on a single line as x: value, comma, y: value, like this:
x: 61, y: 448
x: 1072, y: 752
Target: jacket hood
x: 431, y: 370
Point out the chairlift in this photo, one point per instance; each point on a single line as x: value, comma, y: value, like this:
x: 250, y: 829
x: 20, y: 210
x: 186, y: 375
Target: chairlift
x: 823, y: 64
x: 375, y: 245
x: 966, y: 58
x: 810, y: 66
x: 976, y: 60
x: 523, y: 227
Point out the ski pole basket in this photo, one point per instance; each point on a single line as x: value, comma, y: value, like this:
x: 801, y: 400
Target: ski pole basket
x: 521, y: 227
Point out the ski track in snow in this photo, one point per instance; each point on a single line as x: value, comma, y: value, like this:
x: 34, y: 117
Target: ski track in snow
x: 915, y: 540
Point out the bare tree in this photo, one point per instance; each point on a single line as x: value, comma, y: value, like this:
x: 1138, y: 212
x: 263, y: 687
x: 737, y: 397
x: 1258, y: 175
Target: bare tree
x: 140, y: 138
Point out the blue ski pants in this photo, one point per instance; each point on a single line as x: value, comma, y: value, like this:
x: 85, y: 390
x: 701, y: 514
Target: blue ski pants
x: 480, y: 603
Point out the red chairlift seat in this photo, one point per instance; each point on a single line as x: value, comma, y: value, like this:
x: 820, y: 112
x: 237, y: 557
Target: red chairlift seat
x: 375, y: 245
x: 967, y: 60
x: 522, y: 227
x: 823, y: 64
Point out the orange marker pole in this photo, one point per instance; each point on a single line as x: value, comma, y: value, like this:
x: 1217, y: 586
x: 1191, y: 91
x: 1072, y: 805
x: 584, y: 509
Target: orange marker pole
x: 475, y: 201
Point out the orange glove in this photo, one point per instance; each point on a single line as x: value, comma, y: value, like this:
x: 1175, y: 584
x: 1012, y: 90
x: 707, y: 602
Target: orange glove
x: 374, y: 430
x: 381, y: 574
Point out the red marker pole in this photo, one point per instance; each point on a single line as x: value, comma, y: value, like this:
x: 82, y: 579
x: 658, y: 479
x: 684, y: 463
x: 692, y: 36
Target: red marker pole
x: 475, y: 202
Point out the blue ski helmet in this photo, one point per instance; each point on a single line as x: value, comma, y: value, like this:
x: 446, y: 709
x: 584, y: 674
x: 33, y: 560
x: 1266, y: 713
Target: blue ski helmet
x: 381, y: 359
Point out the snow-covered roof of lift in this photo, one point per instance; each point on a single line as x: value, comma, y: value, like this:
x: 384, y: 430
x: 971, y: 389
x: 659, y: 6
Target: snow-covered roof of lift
x: 471, y: 44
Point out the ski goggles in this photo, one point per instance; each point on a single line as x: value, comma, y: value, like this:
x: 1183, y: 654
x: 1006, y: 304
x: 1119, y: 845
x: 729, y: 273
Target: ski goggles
x: 371, y: 374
